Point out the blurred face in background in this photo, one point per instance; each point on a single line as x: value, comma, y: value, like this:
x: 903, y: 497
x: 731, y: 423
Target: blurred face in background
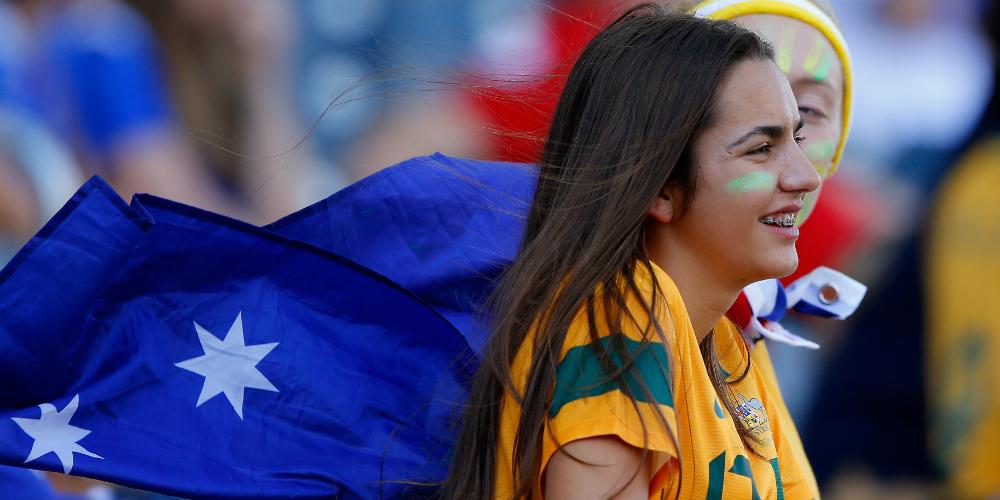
x: 816, y: 75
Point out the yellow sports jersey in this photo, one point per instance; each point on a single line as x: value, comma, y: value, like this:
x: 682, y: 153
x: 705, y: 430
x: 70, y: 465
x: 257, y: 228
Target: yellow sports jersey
x: 713, y: 461
x: 963, y: 334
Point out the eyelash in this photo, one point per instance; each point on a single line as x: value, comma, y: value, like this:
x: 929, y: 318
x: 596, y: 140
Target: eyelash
x: 766, y: 147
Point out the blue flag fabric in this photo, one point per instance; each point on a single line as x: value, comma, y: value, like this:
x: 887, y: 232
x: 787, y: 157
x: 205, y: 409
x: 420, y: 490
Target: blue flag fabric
x: 443, y: 228
x: 174, y: 350
x: 23, y: 483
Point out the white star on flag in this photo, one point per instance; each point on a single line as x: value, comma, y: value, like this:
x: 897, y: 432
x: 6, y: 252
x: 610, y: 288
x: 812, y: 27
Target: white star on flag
x: 229, y: 365
x: 53, y: 433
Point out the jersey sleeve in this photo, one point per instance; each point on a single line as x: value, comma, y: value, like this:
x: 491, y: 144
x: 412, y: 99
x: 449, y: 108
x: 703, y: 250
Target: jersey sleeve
x: 588, y: 402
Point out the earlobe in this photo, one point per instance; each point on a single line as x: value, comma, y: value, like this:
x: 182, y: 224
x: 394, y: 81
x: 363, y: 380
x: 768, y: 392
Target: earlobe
x: 662, y: 208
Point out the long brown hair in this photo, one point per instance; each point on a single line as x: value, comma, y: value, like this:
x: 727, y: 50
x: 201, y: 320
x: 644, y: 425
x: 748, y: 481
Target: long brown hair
x: 635, y: 100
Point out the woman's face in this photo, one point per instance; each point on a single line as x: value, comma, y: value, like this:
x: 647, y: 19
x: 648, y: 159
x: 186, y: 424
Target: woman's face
x: 816, y: 76
x: 752, y: 178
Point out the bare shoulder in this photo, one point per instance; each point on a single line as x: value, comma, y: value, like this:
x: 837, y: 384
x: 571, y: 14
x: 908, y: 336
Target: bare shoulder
x: 597, y: 467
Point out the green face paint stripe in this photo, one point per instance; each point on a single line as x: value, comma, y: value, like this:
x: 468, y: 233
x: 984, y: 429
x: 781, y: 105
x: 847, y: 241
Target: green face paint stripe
x: 815, y: 54
x: 581, y: 374
x: 820, y: 59
x: 807, y: 207
x: 784, y: 55
x: 820, y: 154
x: 822, y: 168
x: 820, y: 151
x: 824, y: 68
x: 754, y: 181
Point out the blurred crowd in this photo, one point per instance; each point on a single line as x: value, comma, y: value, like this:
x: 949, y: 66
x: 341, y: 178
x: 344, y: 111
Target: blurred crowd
x: 256, y: 108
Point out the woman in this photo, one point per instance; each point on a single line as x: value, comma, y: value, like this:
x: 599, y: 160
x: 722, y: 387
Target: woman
x: 810, y: 49
x: 611, y: 370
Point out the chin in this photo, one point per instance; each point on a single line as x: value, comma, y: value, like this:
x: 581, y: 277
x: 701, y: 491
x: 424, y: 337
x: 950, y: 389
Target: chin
x: 789, y: 267
x: 781, y: 266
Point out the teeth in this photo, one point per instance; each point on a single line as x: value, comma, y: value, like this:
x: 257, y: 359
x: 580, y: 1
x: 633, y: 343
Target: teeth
x: 785, y: 220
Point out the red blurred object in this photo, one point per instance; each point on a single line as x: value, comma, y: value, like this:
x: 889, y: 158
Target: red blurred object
x: 740, y: 312
x: 519, y: 115
x: 836, y: 228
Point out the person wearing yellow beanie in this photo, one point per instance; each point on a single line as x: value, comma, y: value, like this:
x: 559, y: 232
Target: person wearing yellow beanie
x: 811, y: 51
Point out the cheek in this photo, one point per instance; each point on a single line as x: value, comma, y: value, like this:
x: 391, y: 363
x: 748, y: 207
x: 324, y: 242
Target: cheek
x: 820, y: 152
x: 754, y: 182
x: 747, y: 195
x: 742, y: 199
x: 718, y: 210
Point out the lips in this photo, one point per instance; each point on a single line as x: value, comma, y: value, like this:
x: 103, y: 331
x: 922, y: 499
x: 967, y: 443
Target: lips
x: 783, y: 217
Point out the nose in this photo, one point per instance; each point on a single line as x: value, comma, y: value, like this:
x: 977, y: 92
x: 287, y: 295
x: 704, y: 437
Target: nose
x: 798, y: 176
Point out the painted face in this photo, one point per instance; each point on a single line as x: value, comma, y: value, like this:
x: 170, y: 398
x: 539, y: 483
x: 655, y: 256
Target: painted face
x: 816, y: 75
x: 752, y: 178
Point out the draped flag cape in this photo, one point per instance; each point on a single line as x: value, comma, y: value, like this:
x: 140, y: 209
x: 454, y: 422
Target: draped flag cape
x: 170, y: 349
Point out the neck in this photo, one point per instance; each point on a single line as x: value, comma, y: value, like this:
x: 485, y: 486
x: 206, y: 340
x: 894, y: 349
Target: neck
x: 706, y: 292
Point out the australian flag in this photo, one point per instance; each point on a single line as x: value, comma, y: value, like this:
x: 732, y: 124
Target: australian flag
x: 171, y: 349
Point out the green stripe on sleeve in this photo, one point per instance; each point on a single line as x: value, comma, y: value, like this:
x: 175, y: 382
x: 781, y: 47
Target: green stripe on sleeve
x: 580, y: 374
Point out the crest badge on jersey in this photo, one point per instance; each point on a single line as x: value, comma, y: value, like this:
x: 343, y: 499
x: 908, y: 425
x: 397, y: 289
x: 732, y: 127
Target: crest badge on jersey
x: 752, y: 415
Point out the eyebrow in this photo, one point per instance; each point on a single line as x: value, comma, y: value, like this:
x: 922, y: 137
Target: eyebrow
x: 772, y: 131
x: 812, y: 82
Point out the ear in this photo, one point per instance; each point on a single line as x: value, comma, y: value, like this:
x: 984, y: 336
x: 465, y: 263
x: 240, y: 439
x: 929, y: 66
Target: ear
x: 662, y: 208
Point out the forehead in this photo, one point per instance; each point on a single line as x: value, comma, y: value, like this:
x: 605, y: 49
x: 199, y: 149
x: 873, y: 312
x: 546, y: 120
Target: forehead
x: 801, y: 50
x: 755, y: 93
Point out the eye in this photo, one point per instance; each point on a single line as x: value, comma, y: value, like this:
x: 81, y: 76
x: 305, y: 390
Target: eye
x: 810, y: 113
x: 762, y: 149
x: 799, y: 139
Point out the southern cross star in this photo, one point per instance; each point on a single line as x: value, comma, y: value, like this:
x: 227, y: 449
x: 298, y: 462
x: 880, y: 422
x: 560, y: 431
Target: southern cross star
x: 229, y: 365
x: 52, y: 432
